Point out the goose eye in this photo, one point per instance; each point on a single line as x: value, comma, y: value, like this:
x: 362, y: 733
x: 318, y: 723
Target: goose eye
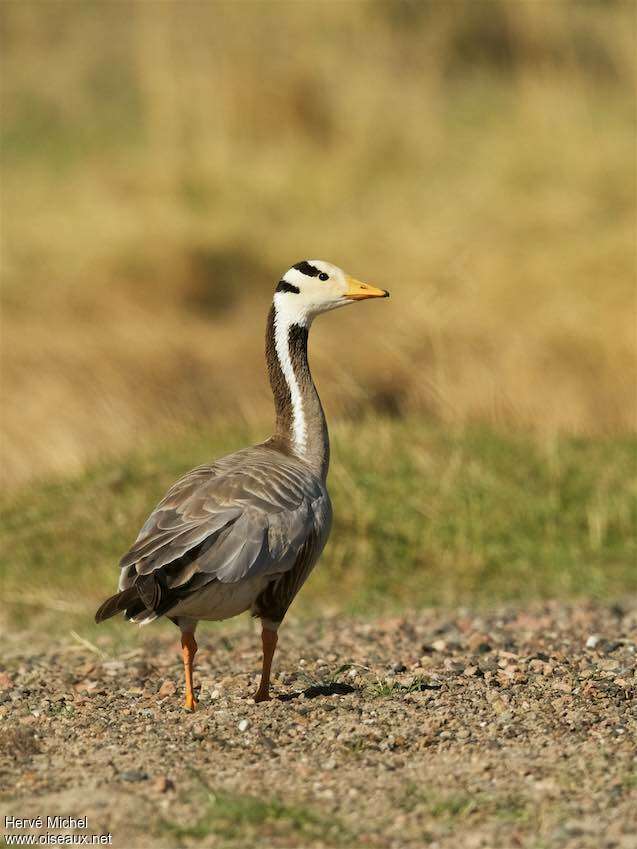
x: 324, y: 276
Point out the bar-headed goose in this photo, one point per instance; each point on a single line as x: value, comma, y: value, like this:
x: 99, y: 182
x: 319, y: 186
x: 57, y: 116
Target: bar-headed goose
x: 243, y: 533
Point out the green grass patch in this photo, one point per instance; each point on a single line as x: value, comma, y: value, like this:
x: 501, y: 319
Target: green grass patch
x: 387, y: 688
x: 243, y: 820
x: 423, y: 516
x: 451, y: 808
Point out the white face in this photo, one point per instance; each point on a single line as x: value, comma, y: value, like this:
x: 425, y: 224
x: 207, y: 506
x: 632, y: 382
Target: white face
x: 316, y: 286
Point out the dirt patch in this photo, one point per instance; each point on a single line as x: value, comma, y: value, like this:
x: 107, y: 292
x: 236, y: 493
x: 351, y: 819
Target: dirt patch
x: 511, y: 729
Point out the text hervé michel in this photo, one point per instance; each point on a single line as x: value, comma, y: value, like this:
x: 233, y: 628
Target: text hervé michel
x: 57, y: 821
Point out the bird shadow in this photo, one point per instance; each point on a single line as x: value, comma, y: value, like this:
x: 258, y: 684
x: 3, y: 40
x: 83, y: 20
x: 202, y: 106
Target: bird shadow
x: 317, y: 690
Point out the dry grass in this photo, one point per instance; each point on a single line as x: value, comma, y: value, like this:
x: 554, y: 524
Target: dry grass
x: 163, y: 163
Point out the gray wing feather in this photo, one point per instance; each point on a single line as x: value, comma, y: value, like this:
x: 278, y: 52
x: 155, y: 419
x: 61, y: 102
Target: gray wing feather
x: 259, y: 543
x: 164, y: 548
x: 288, y: 530
x: 242, y: 550
x: 248, y: 514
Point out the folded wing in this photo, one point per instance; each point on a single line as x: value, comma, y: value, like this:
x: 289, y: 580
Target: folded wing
x: 242, y: 517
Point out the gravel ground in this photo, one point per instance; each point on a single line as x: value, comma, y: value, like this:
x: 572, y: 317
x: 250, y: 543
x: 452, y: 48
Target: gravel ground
x: 510, y: 729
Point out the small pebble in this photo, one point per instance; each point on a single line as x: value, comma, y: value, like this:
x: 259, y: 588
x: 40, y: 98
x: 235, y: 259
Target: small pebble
x: 162, y: 784
x: 244, y: 725
x: 133, y: 775
x: 592, y: 641
x: 167, y: 689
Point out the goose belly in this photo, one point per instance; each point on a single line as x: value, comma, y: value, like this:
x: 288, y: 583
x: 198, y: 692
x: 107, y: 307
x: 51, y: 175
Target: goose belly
x: 218, y: 601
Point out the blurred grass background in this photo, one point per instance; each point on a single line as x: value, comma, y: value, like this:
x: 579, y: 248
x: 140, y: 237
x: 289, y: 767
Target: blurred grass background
x: 422, y: 516
x: 163, y: 163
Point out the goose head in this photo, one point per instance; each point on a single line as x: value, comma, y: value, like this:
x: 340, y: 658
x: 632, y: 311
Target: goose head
x: 314, y: 286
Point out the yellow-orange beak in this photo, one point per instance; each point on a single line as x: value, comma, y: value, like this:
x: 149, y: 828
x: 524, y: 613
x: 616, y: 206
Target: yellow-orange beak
x: 358, y: 291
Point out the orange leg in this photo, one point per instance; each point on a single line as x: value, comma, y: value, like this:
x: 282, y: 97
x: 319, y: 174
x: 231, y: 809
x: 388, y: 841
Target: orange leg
x: 269, y: 640
x: 189, y: 650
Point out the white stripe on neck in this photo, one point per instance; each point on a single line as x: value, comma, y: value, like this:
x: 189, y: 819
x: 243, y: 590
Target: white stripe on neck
x: 285, y: 315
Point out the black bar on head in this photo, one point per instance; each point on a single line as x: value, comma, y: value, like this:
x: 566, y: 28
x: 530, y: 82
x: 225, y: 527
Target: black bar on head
x: 284, y: 286
x: 305, y: 268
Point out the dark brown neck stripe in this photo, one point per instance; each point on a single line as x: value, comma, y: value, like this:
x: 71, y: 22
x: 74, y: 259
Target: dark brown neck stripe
x: 297, y: 342
x: 278, y: 383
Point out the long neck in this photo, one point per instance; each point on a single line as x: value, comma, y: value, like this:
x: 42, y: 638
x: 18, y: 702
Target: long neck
x: 300, y: 422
